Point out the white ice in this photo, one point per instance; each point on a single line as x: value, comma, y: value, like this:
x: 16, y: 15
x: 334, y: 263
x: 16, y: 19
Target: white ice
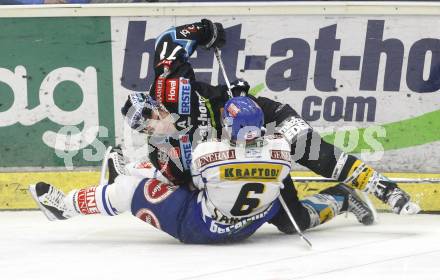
x: 97, y: 247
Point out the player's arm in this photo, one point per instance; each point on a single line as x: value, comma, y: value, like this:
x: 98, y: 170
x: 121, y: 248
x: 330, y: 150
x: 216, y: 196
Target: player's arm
x: 174, y: 46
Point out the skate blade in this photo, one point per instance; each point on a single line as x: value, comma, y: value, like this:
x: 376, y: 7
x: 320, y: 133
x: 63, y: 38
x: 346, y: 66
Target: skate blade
x: 43, y: 209
x: 368, y: 201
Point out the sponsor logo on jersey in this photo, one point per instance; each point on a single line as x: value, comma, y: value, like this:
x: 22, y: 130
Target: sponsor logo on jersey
x: 156, y: 191
x: 254, y: 172
x: 172, y: 90
x: 280, y: 155
x: 148, y: 216
x: 184, y: 96
x: 202, y: 119
x: 221, y: 218
x: 188, y: 30
x: 160, y: 88
x: 87, y: 201
x: 215, y: 157
x: 186, y: 148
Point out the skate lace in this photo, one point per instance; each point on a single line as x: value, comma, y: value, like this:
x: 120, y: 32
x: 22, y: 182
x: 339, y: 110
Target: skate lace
x: 395, y: 196
x: 118, y: 163
x: 357, y: 208
x: 55, y: 198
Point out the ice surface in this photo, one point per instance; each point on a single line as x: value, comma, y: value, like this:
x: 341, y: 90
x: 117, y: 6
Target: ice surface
x: 97, y: 247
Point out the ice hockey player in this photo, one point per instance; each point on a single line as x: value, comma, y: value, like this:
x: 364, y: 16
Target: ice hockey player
x: 198, y: 106
x: 237, y: 181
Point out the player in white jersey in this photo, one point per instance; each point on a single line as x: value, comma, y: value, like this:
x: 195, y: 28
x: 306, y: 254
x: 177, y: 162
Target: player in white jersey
x: 240, y: 179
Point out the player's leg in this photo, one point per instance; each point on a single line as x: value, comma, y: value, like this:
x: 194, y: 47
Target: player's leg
x: 319, y: 208
x: 358, y: 175
x: 116, y: 164
x: 162, y: 205
x: 354, y: 203
x: 109, y: 200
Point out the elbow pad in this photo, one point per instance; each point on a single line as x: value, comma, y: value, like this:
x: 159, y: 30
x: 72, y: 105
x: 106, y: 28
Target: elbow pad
x: 293, y: 127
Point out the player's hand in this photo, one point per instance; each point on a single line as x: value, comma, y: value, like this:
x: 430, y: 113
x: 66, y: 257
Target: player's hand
x: 216, y: 34
x: 240, y: 88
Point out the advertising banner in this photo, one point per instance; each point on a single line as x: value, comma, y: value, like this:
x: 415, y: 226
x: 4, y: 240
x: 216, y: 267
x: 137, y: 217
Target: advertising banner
x: 370, y: 84
x: 56, y: 95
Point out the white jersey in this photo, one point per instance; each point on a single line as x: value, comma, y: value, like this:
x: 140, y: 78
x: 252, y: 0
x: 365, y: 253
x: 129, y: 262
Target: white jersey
x: 239, y: 182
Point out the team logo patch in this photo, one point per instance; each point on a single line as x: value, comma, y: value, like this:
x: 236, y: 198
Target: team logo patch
x: 184, y: 96
x: 156, y: 191
x: 148, y: 216
x: 172, y: 91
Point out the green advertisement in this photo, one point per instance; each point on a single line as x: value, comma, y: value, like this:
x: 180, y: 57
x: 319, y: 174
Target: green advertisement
x: 56, y: 92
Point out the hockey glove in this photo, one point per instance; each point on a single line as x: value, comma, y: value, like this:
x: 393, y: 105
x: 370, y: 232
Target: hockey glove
x: 216, y: 37
x: 240, y: 88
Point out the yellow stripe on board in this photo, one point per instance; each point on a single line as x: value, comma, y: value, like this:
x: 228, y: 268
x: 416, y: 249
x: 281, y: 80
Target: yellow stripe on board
x: 14, y: 187
x: 427, y: 195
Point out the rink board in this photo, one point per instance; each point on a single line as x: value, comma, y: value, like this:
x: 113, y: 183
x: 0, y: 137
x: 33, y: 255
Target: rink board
x: 86, y: 59
x: 61, y: 106
x: 14, y: 193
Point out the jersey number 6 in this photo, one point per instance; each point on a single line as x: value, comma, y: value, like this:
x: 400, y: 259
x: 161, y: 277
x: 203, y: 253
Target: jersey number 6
x: 245, y: 204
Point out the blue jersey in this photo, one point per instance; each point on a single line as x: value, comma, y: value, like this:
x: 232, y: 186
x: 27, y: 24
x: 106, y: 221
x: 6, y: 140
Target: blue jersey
x: 178, y: 212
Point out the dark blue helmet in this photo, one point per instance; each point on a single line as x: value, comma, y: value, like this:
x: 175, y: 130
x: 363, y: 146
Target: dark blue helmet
x: 243, y: 118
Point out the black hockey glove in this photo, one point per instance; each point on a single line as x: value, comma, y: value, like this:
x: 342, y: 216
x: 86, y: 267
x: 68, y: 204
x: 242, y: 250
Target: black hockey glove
x: 216, y: 37
x: 240, y: 88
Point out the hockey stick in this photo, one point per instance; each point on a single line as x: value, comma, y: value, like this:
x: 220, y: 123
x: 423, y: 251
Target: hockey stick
x: 295, y: 225
x: 222, y: 68
x: 104, y: 166
x: 283, y: 203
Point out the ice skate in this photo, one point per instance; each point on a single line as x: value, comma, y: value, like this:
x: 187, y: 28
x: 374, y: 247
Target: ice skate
x: 388, y: 192
x: 355, y: 204
x: 51, y: 201
x: 116, y: 164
